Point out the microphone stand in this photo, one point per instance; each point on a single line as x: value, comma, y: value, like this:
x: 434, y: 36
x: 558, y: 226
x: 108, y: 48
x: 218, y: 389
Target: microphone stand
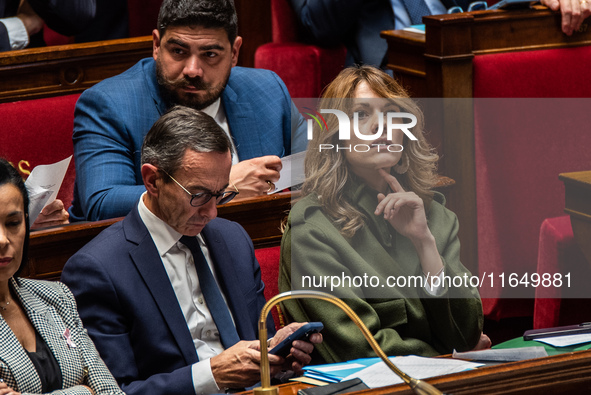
x: 418, y: 386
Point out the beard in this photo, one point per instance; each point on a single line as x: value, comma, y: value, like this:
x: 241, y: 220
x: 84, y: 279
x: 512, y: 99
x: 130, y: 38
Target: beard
x: 173, y: 91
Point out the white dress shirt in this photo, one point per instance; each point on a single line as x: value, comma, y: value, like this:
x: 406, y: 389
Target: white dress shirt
x: 178, y: 263
x: 216, y: 111
x: 17, y: 33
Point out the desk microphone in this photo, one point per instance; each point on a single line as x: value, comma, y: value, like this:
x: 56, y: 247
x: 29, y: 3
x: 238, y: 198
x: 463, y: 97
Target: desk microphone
x: 418, y: 386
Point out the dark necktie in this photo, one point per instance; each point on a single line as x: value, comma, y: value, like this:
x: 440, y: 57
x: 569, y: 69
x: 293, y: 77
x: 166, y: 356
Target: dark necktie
x: 215, y: 302
x: 416, y: 10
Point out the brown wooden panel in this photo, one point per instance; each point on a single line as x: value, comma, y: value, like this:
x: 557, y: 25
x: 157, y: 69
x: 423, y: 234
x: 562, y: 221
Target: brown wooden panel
x: 64, y: 69
x: 49, y: 249
x: 559, y: 374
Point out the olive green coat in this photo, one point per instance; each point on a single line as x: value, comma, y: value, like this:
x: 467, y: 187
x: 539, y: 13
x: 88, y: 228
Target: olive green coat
x: 403, y: 320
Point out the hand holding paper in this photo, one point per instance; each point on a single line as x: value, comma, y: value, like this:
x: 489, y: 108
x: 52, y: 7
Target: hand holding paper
x: 292, y: 172
x: 43, y: 185
x: 52, y: 214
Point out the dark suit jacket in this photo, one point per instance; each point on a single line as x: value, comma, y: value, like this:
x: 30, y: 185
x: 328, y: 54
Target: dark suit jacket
x: 355, y: 23
x: 66, y: 17
x: 112, y: 118
x: 51, y: 308
x: 129, y: 307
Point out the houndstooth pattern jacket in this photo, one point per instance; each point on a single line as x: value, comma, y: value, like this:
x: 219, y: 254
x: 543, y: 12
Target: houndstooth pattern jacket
x: 51, y: 308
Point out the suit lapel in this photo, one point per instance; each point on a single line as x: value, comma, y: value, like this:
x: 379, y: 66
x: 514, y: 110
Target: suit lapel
x: 52, y: 329
x: 229, y: 282
x: 147, y: 260
x: 243, y: 124
x: 149, y: 69
x: 13, y: 355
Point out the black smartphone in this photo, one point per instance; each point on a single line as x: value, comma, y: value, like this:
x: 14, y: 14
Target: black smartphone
x: 282, y: 349
x: 531, y: 334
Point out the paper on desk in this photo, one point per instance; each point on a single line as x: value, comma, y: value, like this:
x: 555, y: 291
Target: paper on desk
x: 309, y: 380
x: 380, y: 375
x: 333, y: 372
x: 43, y: 184
x: 503, y: 354
x: 292, y: 172
x: 415, y: 28
x: 564, y: 341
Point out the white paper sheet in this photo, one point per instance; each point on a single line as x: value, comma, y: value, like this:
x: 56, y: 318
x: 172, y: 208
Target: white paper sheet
x: 336, y: 368
x: 380, y: 375
x: 564, y: 341
x: 43, y: 184
x: 292, y: 172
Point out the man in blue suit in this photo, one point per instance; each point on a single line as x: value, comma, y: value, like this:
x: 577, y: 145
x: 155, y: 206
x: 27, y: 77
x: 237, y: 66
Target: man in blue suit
x: 195, y: 50
x: 144, y: 287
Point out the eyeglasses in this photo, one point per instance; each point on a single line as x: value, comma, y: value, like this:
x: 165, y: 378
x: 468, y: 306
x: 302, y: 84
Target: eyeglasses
x: 201, y: 198
x: 476, y: 6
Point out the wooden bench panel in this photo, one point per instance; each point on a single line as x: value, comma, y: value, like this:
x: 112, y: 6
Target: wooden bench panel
x: 49, y: 249
x: 64, y: 69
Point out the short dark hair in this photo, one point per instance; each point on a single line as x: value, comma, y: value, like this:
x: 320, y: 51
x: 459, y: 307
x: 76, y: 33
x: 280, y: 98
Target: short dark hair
x: 211, y: 14
x: 179, y: 129
x: 9, y: 175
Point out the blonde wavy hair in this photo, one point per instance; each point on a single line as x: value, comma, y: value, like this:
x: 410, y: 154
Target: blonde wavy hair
x: 327, y: 171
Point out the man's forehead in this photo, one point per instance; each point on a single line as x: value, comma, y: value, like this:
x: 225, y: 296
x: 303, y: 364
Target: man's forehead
x: 206, y: 169
x: 196, y: 32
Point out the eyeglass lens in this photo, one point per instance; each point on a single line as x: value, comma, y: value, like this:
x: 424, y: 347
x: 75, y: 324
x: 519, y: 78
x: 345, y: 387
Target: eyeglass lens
x: 221, y: 198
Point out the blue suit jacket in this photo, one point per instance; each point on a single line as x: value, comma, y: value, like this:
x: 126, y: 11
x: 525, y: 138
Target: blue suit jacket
x: 129, y: 307
x: 112, y: 118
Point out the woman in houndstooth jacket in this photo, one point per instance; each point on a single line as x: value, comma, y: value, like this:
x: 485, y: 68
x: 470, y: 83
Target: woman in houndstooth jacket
x: 44, y: 347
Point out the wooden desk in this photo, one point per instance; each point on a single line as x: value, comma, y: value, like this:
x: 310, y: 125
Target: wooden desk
x: 65, y: 69
x: 49, y: 249
x: 559, y: 374
x: 439, y: 64
x: 577, y: 189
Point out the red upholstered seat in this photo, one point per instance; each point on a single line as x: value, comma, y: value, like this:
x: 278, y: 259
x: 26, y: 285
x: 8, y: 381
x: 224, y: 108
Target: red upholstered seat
x: 268, y: 259
x: 520, y: 149
x: 39, y: 132
x: 52, y: 37
x: 547, y: 73
x: 559, y: 253
x: 305, y: 69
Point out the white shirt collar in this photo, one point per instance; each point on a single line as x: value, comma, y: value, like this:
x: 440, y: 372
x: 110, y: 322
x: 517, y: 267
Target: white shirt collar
x: 163, y: 235
x: 216, y: 111
x: 213, y: 109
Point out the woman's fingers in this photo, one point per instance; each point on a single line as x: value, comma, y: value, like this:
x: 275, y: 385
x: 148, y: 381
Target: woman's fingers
x: 391, y: 180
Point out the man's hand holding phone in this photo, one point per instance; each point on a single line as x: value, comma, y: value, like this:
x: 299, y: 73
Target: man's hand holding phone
x: 295, y: 342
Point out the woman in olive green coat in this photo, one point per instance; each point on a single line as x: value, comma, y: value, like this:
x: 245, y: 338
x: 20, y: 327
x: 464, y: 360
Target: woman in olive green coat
x: 370, y: 229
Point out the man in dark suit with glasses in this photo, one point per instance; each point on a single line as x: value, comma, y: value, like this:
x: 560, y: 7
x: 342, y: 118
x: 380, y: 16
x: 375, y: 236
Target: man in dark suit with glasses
x: 171, y: 295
